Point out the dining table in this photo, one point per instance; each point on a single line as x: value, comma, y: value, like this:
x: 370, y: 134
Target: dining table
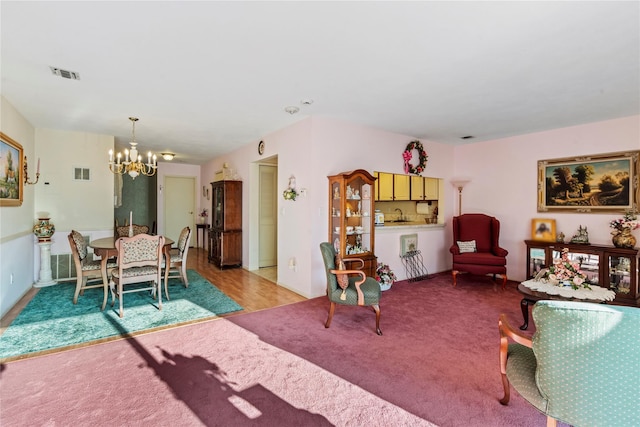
x: 105, y: 248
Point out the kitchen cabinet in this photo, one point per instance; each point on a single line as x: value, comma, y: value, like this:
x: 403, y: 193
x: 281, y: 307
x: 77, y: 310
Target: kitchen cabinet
x: 401, y: 187
x: 351, y: 218
x: 384, y: 186
x: 417, y: 188
x: 225, y: 234
x: 424, y: 188
x: 431, y: 188
x: 605, y: 266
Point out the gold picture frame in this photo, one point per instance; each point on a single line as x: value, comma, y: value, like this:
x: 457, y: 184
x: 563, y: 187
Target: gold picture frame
x: 11, y: 172
x: 543, y: 229
x: 597, y: 183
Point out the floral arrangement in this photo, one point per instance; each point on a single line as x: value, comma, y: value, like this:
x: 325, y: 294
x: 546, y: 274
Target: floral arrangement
x: 384, y: 274
x: 204, y: 213
x: 564, y: 271
x: 290, y: 194
x: 628, y: 221
x: 407, y: 155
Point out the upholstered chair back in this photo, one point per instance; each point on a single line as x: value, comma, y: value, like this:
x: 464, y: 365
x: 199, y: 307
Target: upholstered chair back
x: 484, y: 229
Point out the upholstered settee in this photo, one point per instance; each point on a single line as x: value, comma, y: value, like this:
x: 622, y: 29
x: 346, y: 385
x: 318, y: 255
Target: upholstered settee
x: 582, y: 365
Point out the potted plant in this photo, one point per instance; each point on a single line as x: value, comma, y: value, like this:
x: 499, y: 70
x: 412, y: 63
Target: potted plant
x: 385, y: 276
x: 622, y: 227
x: 204, y: 213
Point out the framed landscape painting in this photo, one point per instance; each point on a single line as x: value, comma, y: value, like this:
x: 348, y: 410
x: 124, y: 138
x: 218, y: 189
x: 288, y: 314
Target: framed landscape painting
x: 596, y: 183
x: 11, y: 180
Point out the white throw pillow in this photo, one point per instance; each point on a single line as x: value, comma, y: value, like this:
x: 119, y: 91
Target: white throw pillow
x: 469, y: 246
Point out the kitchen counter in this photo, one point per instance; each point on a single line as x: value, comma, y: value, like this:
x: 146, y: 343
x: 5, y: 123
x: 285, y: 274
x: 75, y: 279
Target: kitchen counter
x: 402, y: 226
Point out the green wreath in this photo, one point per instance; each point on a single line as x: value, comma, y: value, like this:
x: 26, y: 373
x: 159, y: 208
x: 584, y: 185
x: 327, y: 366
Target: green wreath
x: 407, y: 155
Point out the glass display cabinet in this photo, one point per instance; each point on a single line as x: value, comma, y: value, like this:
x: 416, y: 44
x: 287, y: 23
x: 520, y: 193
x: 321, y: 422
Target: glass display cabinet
x: 605, y: 266
x: 351, y: 219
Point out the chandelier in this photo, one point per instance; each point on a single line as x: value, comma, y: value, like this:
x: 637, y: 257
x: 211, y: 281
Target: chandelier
x: 132, y: 162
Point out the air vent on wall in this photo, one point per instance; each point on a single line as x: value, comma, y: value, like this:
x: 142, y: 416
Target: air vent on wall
x: 65, y: 73
x: 82, y: 174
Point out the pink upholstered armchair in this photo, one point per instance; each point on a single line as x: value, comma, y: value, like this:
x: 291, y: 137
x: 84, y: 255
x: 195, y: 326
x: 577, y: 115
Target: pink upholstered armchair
x: 476, y: 249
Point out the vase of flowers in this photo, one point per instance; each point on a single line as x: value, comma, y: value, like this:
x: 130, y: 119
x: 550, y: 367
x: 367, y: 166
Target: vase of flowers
x: 622, y: 227
x: 565, y: 272
x: 204, y: 213
x: 385, y: 276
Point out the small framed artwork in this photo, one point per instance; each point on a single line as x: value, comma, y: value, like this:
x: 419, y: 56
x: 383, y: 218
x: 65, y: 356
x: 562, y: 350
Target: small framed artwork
x: 596, y: 183
x: 11, y: 170
x: 543, y: 229
x: 408, y: 243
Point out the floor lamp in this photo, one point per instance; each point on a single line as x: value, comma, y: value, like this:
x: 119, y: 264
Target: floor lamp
x: 459, y: 184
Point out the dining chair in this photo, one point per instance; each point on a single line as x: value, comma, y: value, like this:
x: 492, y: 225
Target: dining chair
x: 139, y: 260
x: 175, y: 264
x: 88, y: 271
x: 123, y: 230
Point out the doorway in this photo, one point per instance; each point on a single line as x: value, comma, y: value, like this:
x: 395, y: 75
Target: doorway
x: 268, y: 216
x: 138, y: 199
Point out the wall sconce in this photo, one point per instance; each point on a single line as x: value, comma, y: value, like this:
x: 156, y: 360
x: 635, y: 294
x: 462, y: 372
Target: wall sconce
x: 26, y: 172
x: 459, y: 183
x: 205, y: 192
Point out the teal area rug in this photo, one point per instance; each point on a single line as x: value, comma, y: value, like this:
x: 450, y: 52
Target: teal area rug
x: 51, y: 320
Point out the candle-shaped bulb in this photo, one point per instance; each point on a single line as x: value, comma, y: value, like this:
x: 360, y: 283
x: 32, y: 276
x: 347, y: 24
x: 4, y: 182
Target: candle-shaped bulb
x: 110, y: 156
x: 149, y: 157
x: 155, y: 160
x: 119, y: 157
x: 126, y: 155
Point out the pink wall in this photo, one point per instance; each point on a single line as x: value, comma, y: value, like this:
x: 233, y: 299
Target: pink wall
x: 504, y: 182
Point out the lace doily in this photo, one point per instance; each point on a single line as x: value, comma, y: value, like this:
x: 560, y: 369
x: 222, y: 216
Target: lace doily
x: 595, y: 293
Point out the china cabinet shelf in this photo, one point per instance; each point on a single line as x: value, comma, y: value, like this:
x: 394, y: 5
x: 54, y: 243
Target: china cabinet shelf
x: 605, y: 266
x: 351, y: 219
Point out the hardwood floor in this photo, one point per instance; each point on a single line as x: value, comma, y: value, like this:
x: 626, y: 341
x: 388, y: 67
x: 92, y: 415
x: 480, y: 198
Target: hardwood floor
x: 252, y: 291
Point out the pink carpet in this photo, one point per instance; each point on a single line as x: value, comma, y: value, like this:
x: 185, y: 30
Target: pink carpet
x: 437, y: 362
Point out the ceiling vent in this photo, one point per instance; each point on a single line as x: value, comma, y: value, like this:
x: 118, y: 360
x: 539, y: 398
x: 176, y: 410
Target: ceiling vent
x: 65, y: 73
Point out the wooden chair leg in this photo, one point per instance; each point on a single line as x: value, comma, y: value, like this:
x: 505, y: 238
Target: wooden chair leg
x: 332, y: 309
x: 376, y: 308
x: 551, y: 422
x: 121, y: 298
x: 454, y: 273
x: 166, y: 281
x: 79, y: 283
x: 507, y: 395
x: 104, y: 298
x: 504, y: 281
x: 183, y: 271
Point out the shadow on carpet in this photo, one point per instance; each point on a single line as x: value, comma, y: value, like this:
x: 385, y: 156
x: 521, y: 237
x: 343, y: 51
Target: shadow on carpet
x: 51, y: 320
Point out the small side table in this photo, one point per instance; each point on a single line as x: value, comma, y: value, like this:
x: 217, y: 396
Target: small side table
x: 204, y: 228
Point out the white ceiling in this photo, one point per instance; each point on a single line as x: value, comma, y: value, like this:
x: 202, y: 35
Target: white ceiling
x: 207, y: 77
